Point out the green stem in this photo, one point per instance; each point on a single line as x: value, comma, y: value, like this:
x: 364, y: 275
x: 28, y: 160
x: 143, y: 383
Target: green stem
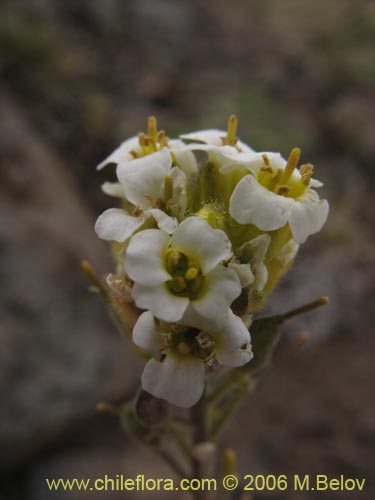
x: 180, y: 440
x: 172, y: 462
x: 322, y: 301
x: 226, y: 412
x: 224, y: 385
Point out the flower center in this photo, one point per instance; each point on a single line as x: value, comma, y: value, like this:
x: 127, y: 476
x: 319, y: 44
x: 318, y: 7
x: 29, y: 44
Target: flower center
x: 189, y: 341
x: 187, y: 278
x: 152, y: 141
x: 281, y: 181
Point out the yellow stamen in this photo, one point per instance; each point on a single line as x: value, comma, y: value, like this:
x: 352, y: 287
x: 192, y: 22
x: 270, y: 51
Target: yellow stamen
x: 142, y: 139
x: 267, y: 168
x: 162, y: 139
x: 291, y: 164
x: 232, y: 130
x: 266, y: 159
x: 152, y: 128
x: 173, y: 258
x: 306, y: 179
x: 275, y: 181
x: 306, y: 169
x: 177, y: 284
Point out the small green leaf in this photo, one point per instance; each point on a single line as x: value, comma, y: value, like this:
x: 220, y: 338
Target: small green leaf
x: 265, y: 333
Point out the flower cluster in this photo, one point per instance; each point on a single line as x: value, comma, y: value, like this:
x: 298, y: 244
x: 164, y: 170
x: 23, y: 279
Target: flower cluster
x: 206, y: 228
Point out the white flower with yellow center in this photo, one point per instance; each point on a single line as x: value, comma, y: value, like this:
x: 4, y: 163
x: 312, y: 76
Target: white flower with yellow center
x: 276, y: 194
x: 177, y: 372
x: 173, y: 274
x: 153, y: 187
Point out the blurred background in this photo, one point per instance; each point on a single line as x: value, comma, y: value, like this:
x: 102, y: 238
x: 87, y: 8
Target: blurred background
x: 77, y: 78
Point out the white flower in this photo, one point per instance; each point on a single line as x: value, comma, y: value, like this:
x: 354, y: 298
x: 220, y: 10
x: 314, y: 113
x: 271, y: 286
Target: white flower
x: 173, y: 274
x: 152, y: 186
x: 177, y: 375
x: 277, y: 194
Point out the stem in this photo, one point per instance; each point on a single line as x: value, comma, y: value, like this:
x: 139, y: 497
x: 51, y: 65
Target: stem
x: 222, y: 387
x: 172, y: 462
x: 179, y: 438
x: 322, y: 301
x: 199, y: 420
x: 227, y: 411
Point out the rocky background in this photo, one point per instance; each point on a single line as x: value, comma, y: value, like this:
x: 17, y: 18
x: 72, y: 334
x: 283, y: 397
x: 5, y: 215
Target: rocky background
x: 79, y: 77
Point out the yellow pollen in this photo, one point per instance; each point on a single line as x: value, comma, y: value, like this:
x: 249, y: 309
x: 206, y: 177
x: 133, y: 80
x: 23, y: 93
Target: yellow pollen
x: 266, y: 159
x: 152, y: 128
x: 306, y: 169
x: 291, y: 164
x: 191, y: 273
x: 183, y: 348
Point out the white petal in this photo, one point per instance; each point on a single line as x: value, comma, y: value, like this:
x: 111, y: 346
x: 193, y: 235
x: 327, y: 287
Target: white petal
x: 122, y: 153
x: 164, y: 221
x: 146, y: 186
x: 186, y: 160
x: 145, y: 334
x: 314, y: 183
x: 116, y: 225
x: 261, y: 275
x: 259, y: 246
x: 199, y: 241
x: 221, y: 287
x: 179, y: 380
x: 113, y: 189
x: 251, y: 203
x: 209, y: 136
x: 144, y: 260
x: 252, y: 162
x: 233, y: 343
x: 160, y: 301
x: 192, y: 318
x: 243, y: 272
x: 179, y: 188
x: 308, y: 216
x: 162, y: 158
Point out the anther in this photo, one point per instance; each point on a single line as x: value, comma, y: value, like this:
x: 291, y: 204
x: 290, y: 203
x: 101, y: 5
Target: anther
x: 173, y: 259
x: 266, y: 159
x: 267, y: 168
x: 142, y: 139
x: 191, y: 273
x: 177, y: 284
